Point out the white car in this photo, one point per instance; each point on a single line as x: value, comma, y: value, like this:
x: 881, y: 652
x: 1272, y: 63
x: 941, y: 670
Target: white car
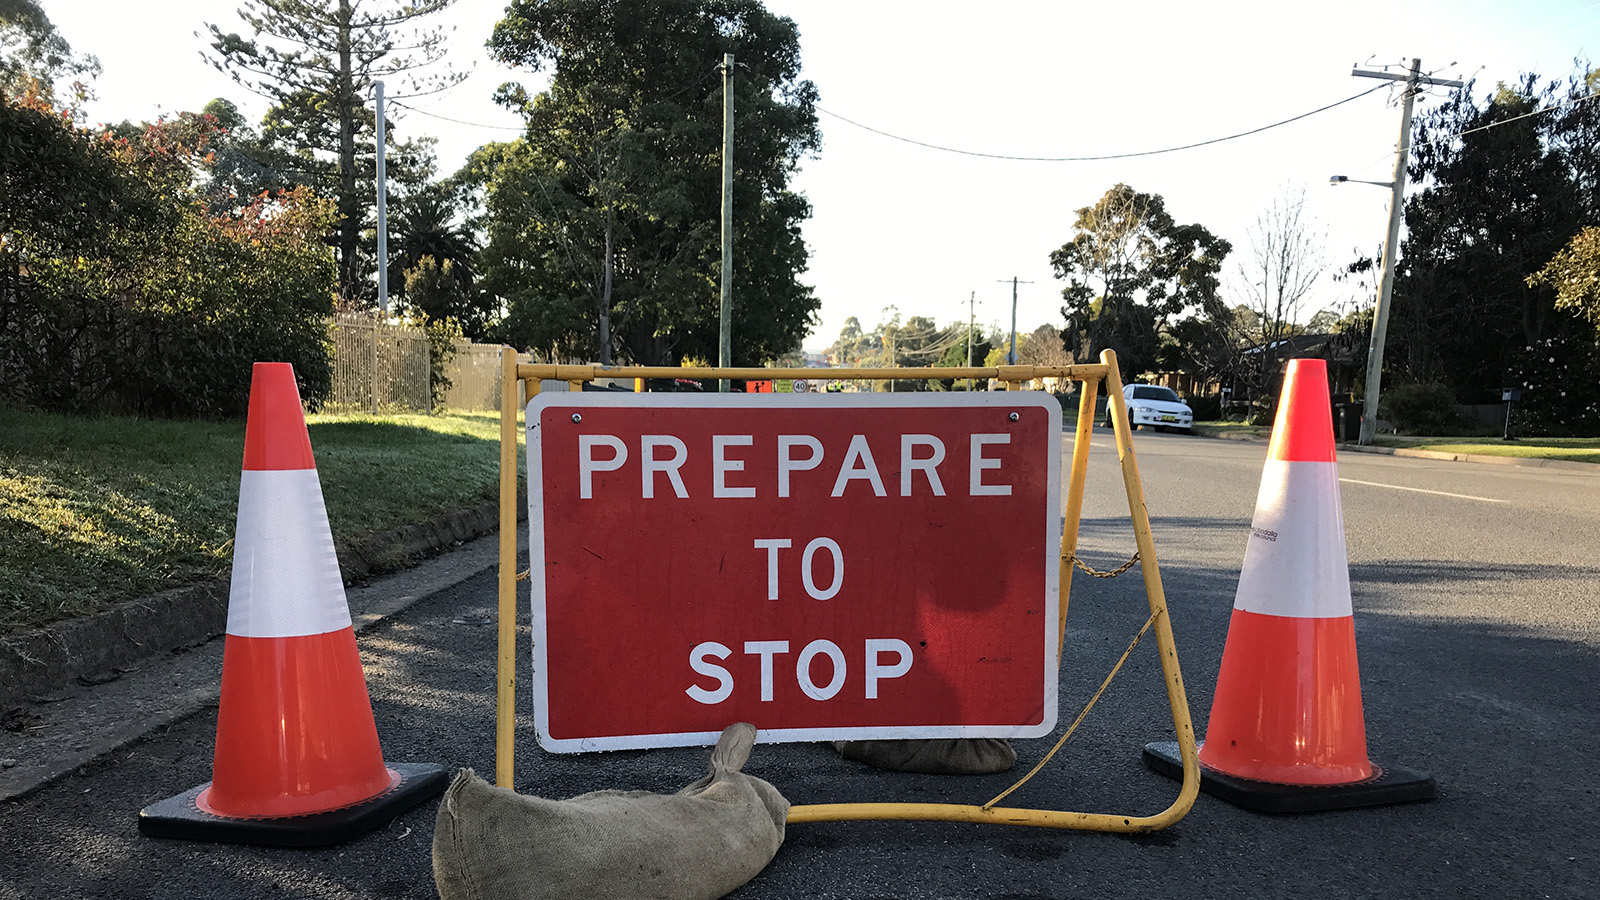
x: 1155, y: 406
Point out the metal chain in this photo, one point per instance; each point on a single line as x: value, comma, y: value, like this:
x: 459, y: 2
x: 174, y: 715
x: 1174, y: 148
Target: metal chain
x: 524, y: 574
x: 1111, y: 574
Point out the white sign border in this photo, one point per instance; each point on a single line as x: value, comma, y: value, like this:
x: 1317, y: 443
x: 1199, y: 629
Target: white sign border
x: 536, y: 582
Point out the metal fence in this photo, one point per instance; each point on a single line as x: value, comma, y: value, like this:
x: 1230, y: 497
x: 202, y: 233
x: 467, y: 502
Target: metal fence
x: 399, y: 356
x: 474, y: 373
x: 378, y: 366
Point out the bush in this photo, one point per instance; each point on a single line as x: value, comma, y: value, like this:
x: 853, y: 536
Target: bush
x: 1557, y: 378
x: 120, y: 293
x: 1207, y: 408
x: 1421, y: 408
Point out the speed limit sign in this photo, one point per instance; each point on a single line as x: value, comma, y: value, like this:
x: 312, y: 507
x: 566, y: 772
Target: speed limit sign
x: 801, y: 386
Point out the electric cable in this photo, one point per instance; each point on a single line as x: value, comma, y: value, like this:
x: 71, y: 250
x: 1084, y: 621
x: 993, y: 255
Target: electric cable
x: 1219, y: 140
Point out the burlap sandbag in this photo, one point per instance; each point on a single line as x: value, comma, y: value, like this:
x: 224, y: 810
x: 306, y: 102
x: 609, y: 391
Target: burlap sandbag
x: 946, y: 756
x: 698, y: 844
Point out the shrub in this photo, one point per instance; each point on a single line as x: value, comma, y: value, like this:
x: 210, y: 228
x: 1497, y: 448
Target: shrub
x: 1420, y: 408
x: 1207, y: 407
x: 119, y: 293
x: 1557, y: 378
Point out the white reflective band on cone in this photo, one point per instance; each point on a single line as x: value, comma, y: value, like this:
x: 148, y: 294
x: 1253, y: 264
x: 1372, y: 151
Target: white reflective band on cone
x: 1295, y: 563
x: 286, y: 579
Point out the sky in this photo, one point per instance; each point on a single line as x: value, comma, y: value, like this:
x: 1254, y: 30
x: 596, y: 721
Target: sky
x: 925, y: 231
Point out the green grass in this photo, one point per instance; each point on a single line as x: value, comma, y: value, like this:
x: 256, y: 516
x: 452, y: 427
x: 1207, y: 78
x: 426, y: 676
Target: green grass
x: 1229, y: 428
x: 97, y: 510
x: 1570, y: 449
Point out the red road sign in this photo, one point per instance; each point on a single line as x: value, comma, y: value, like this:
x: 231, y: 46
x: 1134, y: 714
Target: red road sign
x: 842, y: 566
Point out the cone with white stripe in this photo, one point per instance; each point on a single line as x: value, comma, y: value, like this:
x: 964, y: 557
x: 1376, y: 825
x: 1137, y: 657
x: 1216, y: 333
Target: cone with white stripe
x: 297, y: 760
x: 1287, y: 731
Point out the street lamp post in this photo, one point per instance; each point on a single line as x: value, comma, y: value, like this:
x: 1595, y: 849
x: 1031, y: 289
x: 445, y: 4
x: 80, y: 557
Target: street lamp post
x: 1380, y: 315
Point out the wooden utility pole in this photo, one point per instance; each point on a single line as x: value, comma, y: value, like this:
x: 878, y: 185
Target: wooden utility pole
x: 972, y: 303
x: 1011, y: 355
x: 1380, y: 315
x: 725, y: 338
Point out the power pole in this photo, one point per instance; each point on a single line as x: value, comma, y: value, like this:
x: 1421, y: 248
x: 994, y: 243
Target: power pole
x: 972, y: 304
x: 1380, y: 316
x: 725, y: 339
x: 1011, y: 355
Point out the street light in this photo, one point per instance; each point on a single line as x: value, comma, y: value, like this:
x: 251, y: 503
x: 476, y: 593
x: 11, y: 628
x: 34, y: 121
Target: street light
x: 1380, y: 315
x: 1346, y: 179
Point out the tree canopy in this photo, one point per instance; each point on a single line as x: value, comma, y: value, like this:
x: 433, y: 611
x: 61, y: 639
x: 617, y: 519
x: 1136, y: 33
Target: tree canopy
x: 316, y: 61
x: 1508, y: 182
x: 603, y: 220
x: 34, y: 56
x: 1131, y: 269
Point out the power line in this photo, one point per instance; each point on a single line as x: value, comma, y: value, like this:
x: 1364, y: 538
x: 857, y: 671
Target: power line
x: 1571, y: 101
x: 1219, y: 140
x: 423, y: 112
x: 1538, y: 112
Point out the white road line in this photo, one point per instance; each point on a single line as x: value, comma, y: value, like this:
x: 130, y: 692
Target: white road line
x: 1422, y: 491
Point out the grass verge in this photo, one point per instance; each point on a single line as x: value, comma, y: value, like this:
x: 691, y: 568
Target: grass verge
x: 1229, y: 429
x: 98, y: 510
x: 1570, y: 449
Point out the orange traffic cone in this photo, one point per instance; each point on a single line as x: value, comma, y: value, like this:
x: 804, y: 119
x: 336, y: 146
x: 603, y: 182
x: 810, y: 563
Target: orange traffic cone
x: 1287, y: 732
x: 297, y: 760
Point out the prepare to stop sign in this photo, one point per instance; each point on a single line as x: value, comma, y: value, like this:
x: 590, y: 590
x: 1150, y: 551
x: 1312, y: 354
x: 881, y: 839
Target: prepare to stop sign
x: 842, y: 566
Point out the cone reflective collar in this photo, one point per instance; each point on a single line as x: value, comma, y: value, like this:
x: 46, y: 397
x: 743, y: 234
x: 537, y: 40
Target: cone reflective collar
x: 297, y: 758
x: 1287, y: 731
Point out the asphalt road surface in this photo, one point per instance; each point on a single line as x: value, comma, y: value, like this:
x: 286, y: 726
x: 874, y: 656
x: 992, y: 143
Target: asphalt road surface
x: 1478, y: 628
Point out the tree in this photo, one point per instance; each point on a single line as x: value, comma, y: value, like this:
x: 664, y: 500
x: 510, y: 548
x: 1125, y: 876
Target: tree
x: 426, y: 226
x: 244, y: 164
x: 1209, y: 344
x: 1044, y: 346
x: 960, y: 351
x: 316, y: 60
x: 1324, y: 322
x: 1574, y: 273
x: 35, y: 57
x: 854, y: 347
x: 603, y: 220
x: 1496, y: 205
x: 1285, y: 260
x: 1130, y: 270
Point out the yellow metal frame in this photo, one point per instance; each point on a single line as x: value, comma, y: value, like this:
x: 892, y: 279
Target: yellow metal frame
x: 512, y: 400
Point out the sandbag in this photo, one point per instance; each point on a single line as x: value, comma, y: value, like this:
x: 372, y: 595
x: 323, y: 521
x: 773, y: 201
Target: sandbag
x: 701, y: 843
x: 944, y: 756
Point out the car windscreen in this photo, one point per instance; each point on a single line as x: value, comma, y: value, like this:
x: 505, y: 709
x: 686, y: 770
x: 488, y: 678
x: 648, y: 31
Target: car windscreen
x: 1152, y: 392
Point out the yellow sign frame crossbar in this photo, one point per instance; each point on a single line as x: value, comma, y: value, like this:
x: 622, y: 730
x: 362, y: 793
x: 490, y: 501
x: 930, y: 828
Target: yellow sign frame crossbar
x: 1091, y: 375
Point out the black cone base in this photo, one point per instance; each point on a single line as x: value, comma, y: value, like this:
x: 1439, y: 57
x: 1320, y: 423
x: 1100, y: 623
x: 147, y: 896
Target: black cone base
x: 1391, y: 784
x: 178, y: 817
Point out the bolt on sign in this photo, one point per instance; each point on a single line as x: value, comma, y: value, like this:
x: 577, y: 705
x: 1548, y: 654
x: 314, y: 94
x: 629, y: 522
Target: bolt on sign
x: 848, y: 566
